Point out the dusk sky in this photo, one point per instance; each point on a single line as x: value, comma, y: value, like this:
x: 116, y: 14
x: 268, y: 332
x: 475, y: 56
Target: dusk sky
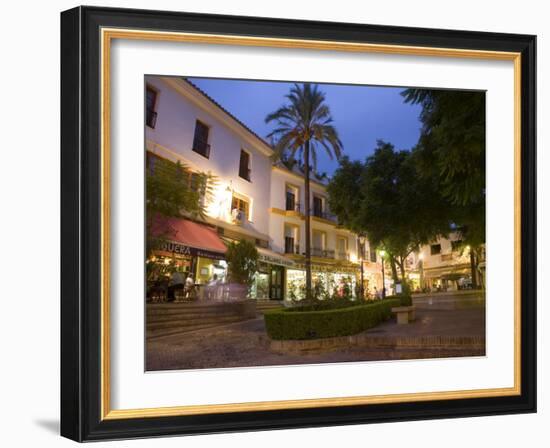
x: 362, y: 114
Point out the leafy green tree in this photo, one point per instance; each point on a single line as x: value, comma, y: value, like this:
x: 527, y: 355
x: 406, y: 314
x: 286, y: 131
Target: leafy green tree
x: 451, y: 153
x: 242, y: 259
x: 173, y: 190
x: 302, y: 127
x: 385, y: 199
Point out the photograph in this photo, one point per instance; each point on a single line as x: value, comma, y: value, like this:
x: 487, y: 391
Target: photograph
x: 295, y: 222
x: 272, y: 223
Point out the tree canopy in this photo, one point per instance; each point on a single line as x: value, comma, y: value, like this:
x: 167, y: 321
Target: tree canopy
x: 385, y: 199
x: 302, y: 127
x: 172, y: 189
x: 242, y: 258
x: 306, y: 118
x: 451, y: 153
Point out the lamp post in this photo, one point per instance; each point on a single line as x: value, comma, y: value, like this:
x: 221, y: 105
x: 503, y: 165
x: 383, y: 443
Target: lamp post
x: 382, y: 255
x: 362, y: 255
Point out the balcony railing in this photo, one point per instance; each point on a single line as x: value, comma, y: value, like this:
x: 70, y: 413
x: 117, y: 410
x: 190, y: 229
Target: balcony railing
x: 322, y: 253
x: 343, y: 256
x: 202, y: 148
x: 292, y: 206
x: 245, y: 173
x: 290, y: 247
x: 325, y: 215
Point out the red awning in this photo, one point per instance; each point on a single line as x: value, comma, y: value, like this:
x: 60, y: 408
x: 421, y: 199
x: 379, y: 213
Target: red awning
x: 187, y: 233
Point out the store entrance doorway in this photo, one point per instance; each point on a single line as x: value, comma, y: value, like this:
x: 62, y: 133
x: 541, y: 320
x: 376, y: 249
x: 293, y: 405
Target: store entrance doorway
x: 276, y: 283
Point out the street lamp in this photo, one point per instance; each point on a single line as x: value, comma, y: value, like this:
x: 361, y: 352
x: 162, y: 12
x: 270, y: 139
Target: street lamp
x: 362, y: 254
x: 382, y: 255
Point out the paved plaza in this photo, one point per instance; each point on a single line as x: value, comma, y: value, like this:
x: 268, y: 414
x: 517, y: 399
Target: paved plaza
x: 245, y: 344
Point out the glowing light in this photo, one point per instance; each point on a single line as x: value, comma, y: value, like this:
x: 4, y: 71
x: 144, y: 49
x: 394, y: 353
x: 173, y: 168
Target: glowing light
x: 220, y: 205
x: 382, y: 253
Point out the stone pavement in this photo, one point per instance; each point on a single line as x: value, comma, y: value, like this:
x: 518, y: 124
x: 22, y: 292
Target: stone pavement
x: 441, y: 316
x: 246, y: 344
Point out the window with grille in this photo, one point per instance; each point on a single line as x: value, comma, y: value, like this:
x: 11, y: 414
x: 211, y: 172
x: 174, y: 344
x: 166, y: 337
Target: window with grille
x: 342, y: 244
x: 244, y: 165
x: 200, y: 139
x: 290, y: 200
x: 373, y: 256
x: 290, y: 247
x: 150, y: 107
x: 317, y: 206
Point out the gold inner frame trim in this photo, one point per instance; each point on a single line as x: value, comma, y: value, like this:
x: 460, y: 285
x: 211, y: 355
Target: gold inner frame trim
x: 107, y: 35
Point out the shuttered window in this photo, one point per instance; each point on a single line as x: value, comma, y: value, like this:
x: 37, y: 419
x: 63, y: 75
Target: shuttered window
x: 150, y: 105
x: 244, y: 165
x: 200, y: 139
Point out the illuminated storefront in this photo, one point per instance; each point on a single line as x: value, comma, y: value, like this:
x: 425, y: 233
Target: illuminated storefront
x: 327, y: 280
x: 181, y: 246
x: 414, y: 281
x: 269, y: 281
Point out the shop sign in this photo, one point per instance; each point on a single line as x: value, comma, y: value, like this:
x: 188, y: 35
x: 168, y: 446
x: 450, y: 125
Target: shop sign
x: 329, y: 268
x: 182, y: 249
x: 275, y: 260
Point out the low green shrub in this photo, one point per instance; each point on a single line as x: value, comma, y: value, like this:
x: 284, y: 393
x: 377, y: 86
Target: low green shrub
x: 404, y: 299
x: 282, y: 324
x: 326, y: 304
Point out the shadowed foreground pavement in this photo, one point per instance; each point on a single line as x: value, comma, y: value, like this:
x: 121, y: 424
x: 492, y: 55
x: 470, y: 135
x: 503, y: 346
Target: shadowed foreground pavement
x: 246, y: 344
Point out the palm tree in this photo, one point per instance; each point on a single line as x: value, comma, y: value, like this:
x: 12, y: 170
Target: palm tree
x: 302, y: 127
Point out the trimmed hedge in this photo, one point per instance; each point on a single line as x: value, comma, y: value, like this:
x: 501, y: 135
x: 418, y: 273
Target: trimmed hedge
x: 324, y: 305
x: 282, y: 324
x: 404, y: 299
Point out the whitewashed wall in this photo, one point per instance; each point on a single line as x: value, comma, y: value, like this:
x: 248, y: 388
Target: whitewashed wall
x: 279, y: 180
x: 177, y: 111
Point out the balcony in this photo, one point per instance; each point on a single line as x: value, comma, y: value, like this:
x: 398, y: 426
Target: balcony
x: 322, y: 253
x: 245, y: 173
x: 446, y: 257
x: 291, y: 206
x: 343, y: 255
x: 290, y: 247
x: 325, y: 215
x: 202, y: 148
x: 238, y: 217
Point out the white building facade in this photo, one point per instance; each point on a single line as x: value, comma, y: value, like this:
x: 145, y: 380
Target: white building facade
x: 445, y: 265
x: 252, y: 199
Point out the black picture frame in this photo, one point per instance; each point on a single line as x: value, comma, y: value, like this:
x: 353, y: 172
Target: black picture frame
x: 81, y: 224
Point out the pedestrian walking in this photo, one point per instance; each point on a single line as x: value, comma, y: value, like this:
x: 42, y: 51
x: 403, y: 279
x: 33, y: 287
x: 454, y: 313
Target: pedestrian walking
x: 212, y: 288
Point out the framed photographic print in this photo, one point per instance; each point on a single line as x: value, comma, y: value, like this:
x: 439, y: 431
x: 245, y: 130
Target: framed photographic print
x: 277, y: 224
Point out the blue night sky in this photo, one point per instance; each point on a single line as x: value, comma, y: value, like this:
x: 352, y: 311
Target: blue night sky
x: 362, y: 114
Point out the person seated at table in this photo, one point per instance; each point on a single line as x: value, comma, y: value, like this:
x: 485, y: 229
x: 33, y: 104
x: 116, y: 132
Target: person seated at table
x: 176, y: 285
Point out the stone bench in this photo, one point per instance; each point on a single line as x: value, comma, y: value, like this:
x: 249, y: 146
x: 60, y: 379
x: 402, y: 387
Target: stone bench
x: 405, y: 314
